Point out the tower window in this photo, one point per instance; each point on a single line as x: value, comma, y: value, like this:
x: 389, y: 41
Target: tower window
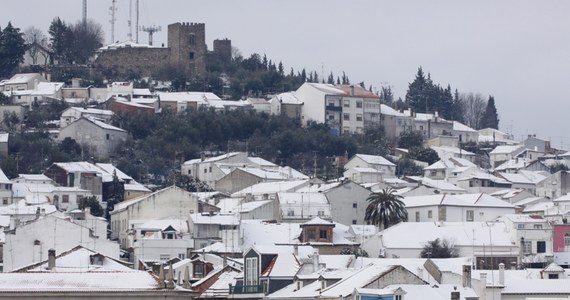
x: 191, y: 56
x: 191, y: 39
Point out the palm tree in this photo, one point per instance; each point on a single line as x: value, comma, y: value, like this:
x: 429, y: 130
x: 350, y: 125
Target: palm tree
x: 385, y: 209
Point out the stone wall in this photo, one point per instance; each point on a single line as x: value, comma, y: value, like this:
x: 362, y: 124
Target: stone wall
x: 145, y: 61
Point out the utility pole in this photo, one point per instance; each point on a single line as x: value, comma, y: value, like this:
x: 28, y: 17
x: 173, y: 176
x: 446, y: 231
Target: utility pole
x: 130, y: 21
x: 137, y: 22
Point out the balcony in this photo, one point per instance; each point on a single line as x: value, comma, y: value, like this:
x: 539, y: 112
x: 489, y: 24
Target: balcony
x: 246, y: 291
x: 333, y: 108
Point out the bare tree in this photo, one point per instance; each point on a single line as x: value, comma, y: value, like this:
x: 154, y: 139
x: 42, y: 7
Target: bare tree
x: 473, y: 108
x: 87, y: 37
x: 35, y: 40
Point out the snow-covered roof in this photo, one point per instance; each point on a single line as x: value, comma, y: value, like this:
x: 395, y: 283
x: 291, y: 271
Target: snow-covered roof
x: 95, y: 282
x: 505, y: 149
x: 375, y: 160
x: 270, y: 187
x: 466, y: 234
x: 288, y: 98
x: 440, y: 165
x: 320, y: 187
x: 142, y: 92
x: 230, y: 219
x: 103, y: 124
x: 328, y: 89
x: 437, y: 184
x: 3, y: 178
x: 199, y: 97
x: 180, y: 225
x: 92, y: 111
x: 317, y: 221
x: 212, y: 159
x: 304, y: 205
x: 453, y: 150
x: 261, y: 162
x: 47, y: 88
x: 21, y: 78
x: 466, y: 200
x: 514, y: 164
x: 484, y: 176
x: 458, y: 126
x: 387, y: 110
x: 34, y: 177
x: 523, y: 218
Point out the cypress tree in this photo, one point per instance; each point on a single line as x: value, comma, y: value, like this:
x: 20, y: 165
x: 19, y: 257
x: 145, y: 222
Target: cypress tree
x: 490, y: 119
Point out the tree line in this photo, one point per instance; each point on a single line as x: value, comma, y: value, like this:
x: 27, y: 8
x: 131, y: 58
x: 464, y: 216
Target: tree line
x: 425, y: 96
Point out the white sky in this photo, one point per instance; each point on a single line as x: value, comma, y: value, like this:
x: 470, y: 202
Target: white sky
x: 516, y: 50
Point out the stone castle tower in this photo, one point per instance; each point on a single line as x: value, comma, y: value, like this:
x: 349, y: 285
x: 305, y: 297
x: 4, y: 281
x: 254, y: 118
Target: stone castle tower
x: 223, y: 48
x: 187, y: 43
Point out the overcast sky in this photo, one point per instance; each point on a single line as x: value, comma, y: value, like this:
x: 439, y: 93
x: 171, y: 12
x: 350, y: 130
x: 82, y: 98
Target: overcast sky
x: 516, y: 50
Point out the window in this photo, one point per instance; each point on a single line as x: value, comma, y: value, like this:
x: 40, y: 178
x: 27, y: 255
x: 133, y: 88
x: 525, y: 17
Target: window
x: 346, y: 117
x: 537, y: 226
x: 527, y: 247
x: 541, y: 247
x: 359, y: 130
x: 321, y: 213
x: 552, y: 276
x: 251, y: 274
x: 198, y: 269
x: 331, y: 117
x: 5, y: 200
x: 205, y: 170
x: 78, y: 199
x: 322, y: 234
x: 107, y: 136
x: 353, y: 222
x: 189, y: 172
x: 191, y: 39
x: 417, y: 216
x: 471, y: 184
x: 65, y: 199
x: 346, y: 129
x: 181, y: 255
x: 354, y: 205
x: 346, y: 103
x: 433, y: 172
x: 331, y: 103
x: 359, y: 104
x: 210, y: 169
x: 430, y: 214
x: 359, y: 117
x: 397, y: 297
x: 311, y: 235
x: 191, y: 55
x: 567, y: 239
x: 164, y: 257
x: 421, y: 128
x: 470, y: 216
x: 520, y: 226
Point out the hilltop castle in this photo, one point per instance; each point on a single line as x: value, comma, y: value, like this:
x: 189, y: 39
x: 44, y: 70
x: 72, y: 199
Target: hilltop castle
x: 186, y: 48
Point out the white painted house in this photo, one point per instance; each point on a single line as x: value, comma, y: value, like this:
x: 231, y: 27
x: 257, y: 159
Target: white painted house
x: 363, y: 168
x: 30, y: 243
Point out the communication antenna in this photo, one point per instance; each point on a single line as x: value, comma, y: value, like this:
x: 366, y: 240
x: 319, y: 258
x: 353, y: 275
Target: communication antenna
x: 137, y: 22
x: 151, y: 30
x: 112, y: 11
x: 84, y: 12
x: 130, y: 21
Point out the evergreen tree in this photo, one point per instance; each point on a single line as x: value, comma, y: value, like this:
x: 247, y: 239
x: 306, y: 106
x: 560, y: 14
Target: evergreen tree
x: 417, y: 96
x: 12, y: 49
x: 337, y: 80
x: 386, y: 95
x: 280, y: 69
x: 60, y: 38
x: 265, y: 62
x: 490, y: 119
x: 330, y: 79
x: 303, y: 75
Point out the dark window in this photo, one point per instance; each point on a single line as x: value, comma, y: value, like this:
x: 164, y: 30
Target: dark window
x: 191, y: 39
x: 65, y: 199
x: 191, y: 56
x: 323, y: 234
x: 354, y: 205
x: 107, y: 136
x: 353, y: 222
x: 552, y: 276
x: 359, y: 104
x: 541, y: 247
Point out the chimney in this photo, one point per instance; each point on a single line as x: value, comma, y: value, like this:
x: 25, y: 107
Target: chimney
x: 38, y: 213
x: 466, y: 276
x: 502, y: 274
x: 352, y: 90
x: 170, y: 278
x: 51, y: 259
x: 186, y: 284
x: 455, y: 295
x: 483, y: 278
x: 202, y: 156
x: 315, y: 260
x: 296, y: 250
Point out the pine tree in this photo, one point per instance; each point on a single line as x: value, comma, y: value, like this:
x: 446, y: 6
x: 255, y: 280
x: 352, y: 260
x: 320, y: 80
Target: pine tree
x: 330, y: 79
x: 280, y: 69
x: 12, y: 49
x: 417, y: 96
x: 60, y: 38
x: 490, y: 119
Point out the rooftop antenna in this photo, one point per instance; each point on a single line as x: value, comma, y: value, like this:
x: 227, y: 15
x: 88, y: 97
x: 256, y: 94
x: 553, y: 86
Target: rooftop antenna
x: 112, y: 11
x: 151, y: 30
x: 84, y: 12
